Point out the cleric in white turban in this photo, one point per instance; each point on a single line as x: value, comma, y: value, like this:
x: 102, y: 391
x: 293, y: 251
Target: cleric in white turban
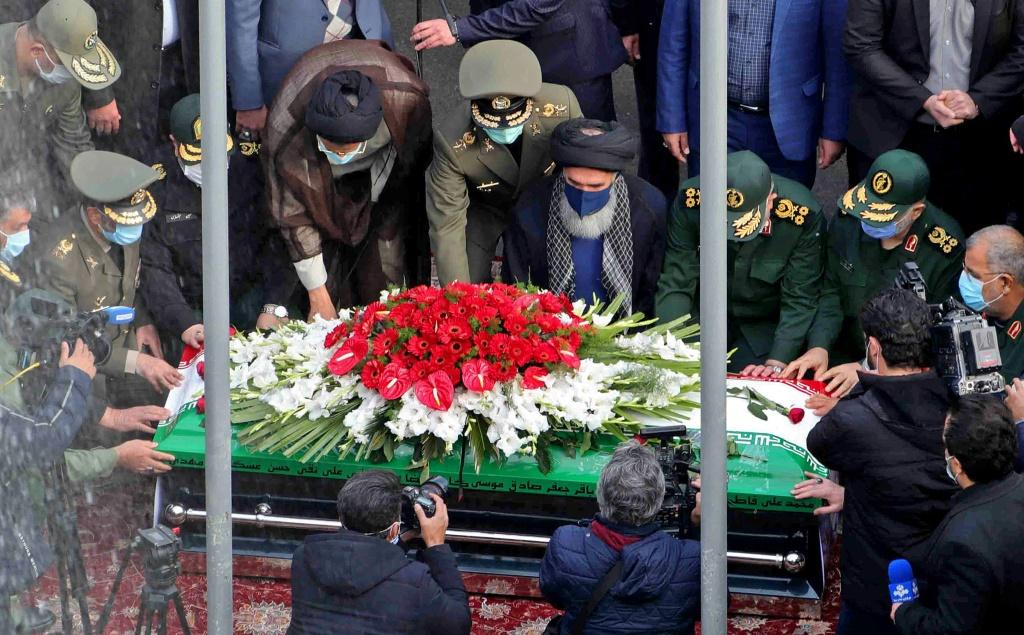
x: 590, y: 230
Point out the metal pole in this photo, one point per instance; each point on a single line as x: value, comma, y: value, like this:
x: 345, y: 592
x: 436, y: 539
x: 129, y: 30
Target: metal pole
x: 713, y: 281
x: 216, y: 320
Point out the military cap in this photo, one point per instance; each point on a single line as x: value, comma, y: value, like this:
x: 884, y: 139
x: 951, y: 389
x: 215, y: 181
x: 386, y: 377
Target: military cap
x: 187, y: 128
x: 896, y: 181
x: 118, y: 183
x: 69, y: 26
x: 501, y: 77
x: 748, y: 184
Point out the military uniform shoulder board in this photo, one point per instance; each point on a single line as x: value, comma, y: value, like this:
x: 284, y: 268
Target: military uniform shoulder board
x: 691, y: 197
x: 552, y: 110
x: 161, y: 172
x: 8, y: 274
x: 942, y: 240
x: 787, y: 209
x: 64, y: 247
x: 465, y: 142
x: 1014, y: 330
x: 249, y: 148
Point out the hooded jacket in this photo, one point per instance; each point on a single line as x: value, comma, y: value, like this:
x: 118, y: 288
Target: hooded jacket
x: 659, y: 591
x: 885, y: 440
x: 361, y: 585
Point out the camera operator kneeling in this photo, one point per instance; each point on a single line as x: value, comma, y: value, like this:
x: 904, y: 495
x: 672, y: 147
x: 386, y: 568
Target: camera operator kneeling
x: 31, y: 441
x: 359, y: 581
x: 658, y: 587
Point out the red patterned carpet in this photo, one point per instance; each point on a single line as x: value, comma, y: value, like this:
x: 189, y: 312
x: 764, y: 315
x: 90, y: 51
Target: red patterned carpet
x: 262, y: 604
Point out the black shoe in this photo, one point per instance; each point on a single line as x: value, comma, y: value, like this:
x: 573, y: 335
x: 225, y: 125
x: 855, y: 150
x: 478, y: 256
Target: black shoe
x: 38, y: 620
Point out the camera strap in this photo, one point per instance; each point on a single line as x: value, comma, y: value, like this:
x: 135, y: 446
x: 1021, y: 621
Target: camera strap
x: 601, y: 590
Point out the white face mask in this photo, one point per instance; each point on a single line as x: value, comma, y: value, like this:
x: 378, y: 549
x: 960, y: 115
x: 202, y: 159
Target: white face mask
x: 193, y: 173
x: 59, y: 74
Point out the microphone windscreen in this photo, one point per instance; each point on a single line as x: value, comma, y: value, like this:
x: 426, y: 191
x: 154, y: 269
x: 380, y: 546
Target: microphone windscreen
x: 902, y: 585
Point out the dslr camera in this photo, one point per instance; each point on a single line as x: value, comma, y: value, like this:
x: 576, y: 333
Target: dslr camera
x: 674, y: 453
x: 412, y: 496
x: 965, y: 347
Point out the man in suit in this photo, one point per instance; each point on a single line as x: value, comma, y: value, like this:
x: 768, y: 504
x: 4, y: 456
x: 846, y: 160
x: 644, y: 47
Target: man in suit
x: 788, y: 83
x: 267, y: 37
x: 942, y: 79
x: 579, y: 42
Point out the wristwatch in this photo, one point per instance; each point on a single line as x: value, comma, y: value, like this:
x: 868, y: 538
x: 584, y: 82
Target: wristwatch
x: 276, y: 310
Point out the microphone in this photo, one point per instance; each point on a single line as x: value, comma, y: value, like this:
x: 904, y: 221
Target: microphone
x: 902, y: 584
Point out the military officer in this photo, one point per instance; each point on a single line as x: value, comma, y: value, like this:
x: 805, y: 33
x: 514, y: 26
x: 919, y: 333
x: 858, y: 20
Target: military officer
x: 95, y: 263
x: 774, y: 263
x: 883, y: 222
x: 486, y: 152
x: 44, y: 64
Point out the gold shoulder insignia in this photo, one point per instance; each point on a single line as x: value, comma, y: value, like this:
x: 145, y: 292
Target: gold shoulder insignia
x: 249, y: 148
x: 467, y: 140
x: 9, y: 274
x: 160, y: 171
x: 63, y: 248
x: 553, y: 110
x: 941, y: 239
x: 747, y: 224
x: 488, y: 146
x: 691, y: 197
x: 535, y: 128
x: 787, y: 209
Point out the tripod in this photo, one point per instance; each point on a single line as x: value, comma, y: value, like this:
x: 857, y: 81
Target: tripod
x: 63, y: 523
x: 160, y: 570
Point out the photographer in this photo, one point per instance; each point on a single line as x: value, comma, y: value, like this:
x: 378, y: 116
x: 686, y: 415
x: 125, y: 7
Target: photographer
x: 657, y: 589
x: 34, y: 440
x: 361, y: 578
x: 973, y: 573
x: 885, y: 440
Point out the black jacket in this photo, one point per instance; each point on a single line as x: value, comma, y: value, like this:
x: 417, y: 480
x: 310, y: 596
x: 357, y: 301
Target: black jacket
x: 885, y: 439
x: 886, y: 44
x: 361, y: 585
x: 525, y: 239
x: 973, y: 574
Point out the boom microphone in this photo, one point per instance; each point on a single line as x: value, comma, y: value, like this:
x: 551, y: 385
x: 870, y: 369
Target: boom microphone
x: 902, y: 584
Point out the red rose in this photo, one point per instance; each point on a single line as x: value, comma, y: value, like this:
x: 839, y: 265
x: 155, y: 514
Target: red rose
x: 436, y: 391
x: 201, y: 405
x: 371, y: 374
x: 476, y: 375
x: 336, y: 334
x: 348, y: 355
x: 394, y: 381
x: 532, y: 377
x: 545, y: 354
x: 384, y: 341
x: 796, y: 415
x: 201, y: 369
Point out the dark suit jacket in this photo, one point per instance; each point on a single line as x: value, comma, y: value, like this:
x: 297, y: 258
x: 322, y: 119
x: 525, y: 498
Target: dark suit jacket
x: 973, y: 574
x: 575, y: 40
x: 887, y: 45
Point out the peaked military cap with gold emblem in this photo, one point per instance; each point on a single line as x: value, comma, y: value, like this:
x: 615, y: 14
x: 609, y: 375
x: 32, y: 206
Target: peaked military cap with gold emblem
x: 187, y: 128
x: 897, y: 180
x: 117, y: 183
x: 748, y: 185
x: 69, y: 26
x: 501, y: 77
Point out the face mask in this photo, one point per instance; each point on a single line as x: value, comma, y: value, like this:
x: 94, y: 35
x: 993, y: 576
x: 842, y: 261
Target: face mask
x: 16, y: 244
x: 867, y: 356
x: 949, y: 470
x: 58, y: 75
x: 504, y: 136
x: 193, y: 173
x: 586, y: 202
x: 340, y: 159
x: 123, y: 234
x: 889, y: 231
x: 971, y: 292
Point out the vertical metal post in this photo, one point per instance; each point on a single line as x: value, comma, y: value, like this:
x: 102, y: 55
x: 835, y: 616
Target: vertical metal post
x: 713, y: 281
x: 216, y: 320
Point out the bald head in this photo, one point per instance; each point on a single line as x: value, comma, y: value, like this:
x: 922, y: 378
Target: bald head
x: 1002, y: 247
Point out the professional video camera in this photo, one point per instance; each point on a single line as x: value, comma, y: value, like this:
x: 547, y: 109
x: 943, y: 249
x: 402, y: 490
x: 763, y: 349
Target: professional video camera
x: 965, y: 346
x: 412, y: 496
x: 674, y: 453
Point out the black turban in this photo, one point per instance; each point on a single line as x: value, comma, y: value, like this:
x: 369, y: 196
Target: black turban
x: 575, y: 144
x: 331, y: 115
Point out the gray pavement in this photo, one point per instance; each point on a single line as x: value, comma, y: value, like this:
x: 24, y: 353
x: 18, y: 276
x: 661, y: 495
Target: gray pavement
x: 441, y: 70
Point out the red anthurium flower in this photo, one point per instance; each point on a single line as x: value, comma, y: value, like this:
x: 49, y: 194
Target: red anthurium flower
x: 436, y: 391
x: 201, y: 369
x: 201, y: 405
x: 569, y: 358
x: 532, y: 377
x: 394, y: 381
x: 371, y: 374
x: 332, y: 338
x: 476, y: 375
x: 525, y: 302
x: 348, y: 355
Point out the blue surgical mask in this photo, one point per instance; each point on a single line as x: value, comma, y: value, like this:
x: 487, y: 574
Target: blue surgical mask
x: 504, y: 136
x: 124, y: 234
x: 16, y: 244
x: 59, y: 74
x: 889, y: 231
x: 971, y: 291
x: 585, y: 202
x: 340, y: 159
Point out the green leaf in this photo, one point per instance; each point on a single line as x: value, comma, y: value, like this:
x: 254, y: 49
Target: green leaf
x: 757, y: 411
x: 585, y: 445
x: 731, y: 449
x: 389, y: 448
x: 543, y: 457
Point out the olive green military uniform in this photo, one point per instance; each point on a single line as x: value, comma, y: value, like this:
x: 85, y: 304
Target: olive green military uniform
x: 857, y: 267
x: 1011, y: 344
x: 774, y: 274
x: 473, y: 182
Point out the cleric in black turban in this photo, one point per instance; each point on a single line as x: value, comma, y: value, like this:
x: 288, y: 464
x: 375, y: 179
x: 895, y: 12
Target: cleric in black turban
x: 590, y: 230
x: 346, y: 108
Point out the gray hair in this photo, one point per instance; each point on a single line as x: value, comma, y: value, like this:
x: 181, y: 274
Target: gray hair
x: 632, y: 486
x: 1005, y: 253
x: 370, y: 501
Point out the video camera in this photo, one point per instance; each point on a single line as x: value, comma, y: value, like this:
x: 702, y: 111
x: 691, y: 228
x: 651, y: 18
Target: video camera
x: 412, y: 496
x: 965, y: 347
x: 674, y: 453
